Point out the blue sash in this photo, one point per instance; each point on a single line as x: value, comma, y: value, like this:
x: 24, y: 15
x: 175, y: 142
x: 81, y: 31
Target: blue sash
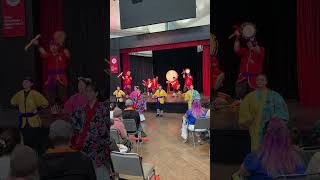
x: 25, y: 115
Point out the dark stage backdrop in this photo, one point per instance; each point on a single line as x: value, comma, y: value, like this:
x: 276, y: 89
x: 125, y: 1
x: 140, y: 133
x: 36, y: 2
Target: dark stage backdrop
x: 178, y: 59
x: 276, y: 24
x: 141, y: 68
x: 86, y: 24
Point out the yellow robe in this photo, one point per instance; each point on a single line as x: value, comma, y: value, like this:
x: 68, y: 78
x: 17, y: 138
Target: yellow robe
x: 188, y: 97
x: 250, y: 116
x: 119, y: 93
x: 34, y: 100
x: 159, y: 94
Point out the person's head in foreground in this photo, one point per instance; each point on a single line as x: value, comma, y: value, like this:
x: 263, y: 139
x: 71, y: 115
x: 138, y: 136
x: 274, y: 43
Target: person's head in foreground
x: 276, y: 156
x: 118, y: 88
x: 262, y: 81
x: 60, y: 133
x: 27, y: 83
x: 129, y: 103
x: 191, y: 87
x: 112, y: 106
x: 117, y: 113
x: 24, y: 164
x: 92, y: 93
x: 8, y: 141
x: 160, y: 87
x: 128, y: 73
x: 82, y: 84
x: 196, y: 108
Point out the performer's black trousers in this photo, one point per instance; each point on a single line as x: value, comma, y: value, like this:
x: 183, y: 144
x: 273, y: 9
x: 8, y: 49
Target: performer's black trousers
x: 34, y: 138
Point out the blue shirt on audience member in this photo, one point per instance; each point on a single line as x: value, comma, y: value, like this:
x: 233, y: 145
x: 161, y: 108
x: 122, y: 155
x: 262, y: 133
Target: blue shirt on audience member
x: 191, y: 119
x: 253, y: 165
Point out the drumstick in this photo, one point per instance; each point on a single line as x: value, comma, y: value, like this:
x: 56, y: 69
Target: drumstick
x: 120, y: 74
x: 31, y: 42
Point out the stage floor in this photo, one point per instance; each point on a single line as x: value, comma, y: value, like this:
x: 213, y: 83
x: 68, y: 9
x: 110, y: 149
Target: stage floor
x: 173, y: 104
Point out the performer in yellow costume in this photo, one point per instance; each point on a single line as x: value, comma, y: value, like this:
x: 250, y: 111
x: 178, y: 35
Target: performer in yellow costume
x: 160, y: 95
x: 191, y: 95
x: 119, y: 94
x: 258, y: 107
x: 28, y: 102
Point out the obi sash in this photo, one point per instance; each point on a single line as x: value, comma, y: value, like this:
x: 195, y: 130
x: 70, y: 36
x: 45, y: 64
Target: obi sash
x: 25, y: 115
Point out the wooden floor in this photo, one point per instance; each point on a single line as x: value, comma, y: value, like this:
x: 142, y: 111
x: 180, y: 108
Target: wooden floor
x: 173, y: 159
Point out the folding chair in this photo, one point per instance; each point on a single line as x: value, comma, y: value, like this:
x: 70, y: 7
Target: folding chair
x: 201, y: 125
x: 114, y: 133
x: 130, y: 164
x: 308, y: 152
x: 131, y: 127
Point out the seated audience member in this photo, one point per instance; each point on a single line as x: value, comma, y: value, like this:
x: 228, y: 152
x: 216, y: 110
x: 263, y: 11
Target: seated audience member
x: 112, y: 106
x: 8, y: 141
x: 275, y: 156
x: 23, y: 164
x: 130, y: 113
x: 190, y: 118
x: 118, y: 124
x: 62, y: 162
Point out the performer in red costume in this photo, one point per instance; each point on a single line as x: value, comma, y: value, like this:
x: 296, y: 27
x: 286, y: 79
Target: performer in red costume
x: 252, y: 58
x: 148, y: 84
x: 56, y: 57
x: 127, y: 79
x: 154, y: 84
x: 188, y: 80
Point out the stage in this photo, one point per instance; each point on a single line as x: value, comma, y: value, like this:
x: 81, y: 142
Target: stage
x: 172, y: 104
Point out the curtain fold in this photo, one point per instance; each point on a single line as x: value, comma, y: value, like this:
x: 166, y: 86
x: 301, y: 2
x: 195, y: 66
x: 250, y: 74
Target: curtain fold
x: 308, y: 51
x: 206, y: 65
x: 125, y: 62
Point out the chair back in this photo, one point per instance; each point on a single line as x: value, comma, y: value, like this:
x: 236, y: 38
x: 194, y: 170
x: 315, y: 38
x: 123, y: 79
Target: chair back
x: 308, y: 153
x: 114, y: 133
x: 127, y: 163
x: 130, y: 125
x: 299, y: 177
x: 201, y: 123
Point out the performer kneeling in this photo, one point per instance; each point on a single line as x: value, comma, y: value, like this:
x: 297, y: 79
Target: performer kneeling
x: 160, y: 95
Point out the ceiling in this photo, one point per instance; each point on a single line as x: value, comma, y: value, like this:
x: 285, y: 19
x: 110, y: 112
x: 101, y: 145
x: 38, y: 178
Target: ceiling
x: 202, y: 18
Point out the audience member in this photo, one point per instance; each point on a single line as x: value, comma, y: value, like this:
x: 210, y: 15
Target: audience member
x: 112, y: 106
x: 190, y: 118
x: 118, y: 124
x: 130, y: 113
x: 276, y: 155
x: 91, y: 132
x: 23, y: 164
x: 8, y: 141
x: 62, y: 162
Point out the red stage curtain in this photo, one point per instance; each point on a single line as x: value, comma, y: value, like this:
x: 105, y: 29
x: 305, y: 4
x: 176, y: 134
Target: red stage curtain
x: 165, y: 46
x: 206, y: 65
x: 308, y: 51
x: 51, y: 20
x: 125, y: 61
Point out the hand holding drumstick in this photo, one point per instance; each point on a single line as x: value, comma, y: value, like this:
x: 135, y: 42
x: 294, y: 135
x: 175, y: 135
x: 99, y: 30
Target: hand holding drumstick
x: 33, y: 41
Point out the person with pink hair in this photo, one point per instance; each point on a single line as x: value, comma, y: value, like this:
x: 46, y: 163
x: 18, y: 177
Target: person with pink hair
x: 276, y: 155
x: 190, y: 118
